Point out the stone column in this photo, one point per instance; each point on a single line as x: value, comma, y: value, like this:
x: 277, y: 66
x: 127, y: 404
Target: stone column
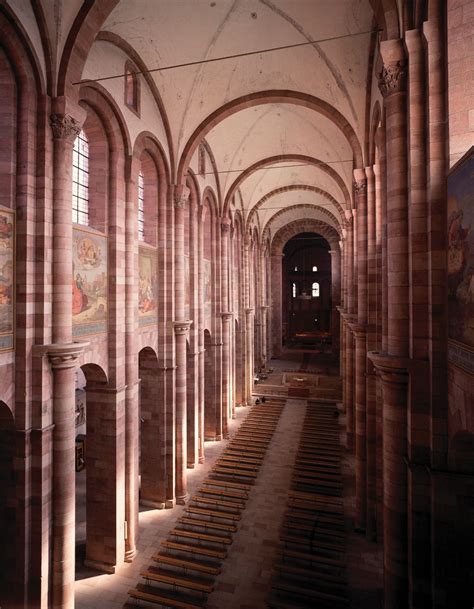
x: 393, y: 365
x: 226, y: 321
x: 131, y: 368
x: 226, y: 318
x: 349, y: 340
x: 200, y: 307
x: 63, y: 358
x: 181, y: 327
x: 277, y: 325
x: 359, y: 328
x: 372, y: 346
x: 249, y: 354
x: 264, y: 310
x: 335, y: 298
x: 63, y: 355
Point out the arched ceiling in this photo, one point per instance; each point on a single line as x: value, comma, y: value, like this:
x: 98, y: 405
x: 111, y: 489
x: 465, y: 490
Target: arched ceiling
x: 272, y: 120
x: 306, y: 104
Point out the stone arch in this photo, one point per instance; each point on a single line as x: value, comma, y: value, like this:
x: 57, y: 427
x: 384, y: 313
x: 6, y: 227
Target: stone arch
x: 292, y: 188
x: 282, y: 212
x: 269, y: 97
x: 104, y: 484
x: 304, y: 226
x: 152, y: 430
x: 282, y: 158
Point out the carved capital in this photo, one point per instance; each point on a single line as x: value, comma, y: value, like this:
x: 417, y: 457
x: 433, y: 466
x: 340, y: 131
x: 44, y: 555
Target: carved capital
x: 181, y: 197
x: 225, y: 226
x: 64, y: 127
x: 360, y: 187
x: 391, y: 369
x: 249, y: 311
x: 393, y: 78
x: 63, y: 355
x: 182, y: 327
x: 227, y: 316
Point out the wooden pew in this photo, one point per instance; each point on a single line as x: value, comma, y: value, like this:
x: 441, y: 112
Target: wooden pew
x: 161, y: 598
x: 226, y: 485
x: 184, y: 547
x: 224, y: 493
x: 167, y: 577
x: 235, y: 505
x: 201, y: 536
x: 190, y: 509
x: 187, y: 565
x: 205, y: 524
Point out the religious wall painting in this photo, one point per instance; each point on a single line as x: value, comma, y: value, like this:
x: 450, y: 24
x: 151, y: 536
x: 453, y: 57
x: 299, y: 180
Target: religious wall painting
x: 207, y: 296
x: 461, y: 262
x: 148, y: 286
x: 187, y: 289
x: 7, y: 278
x: 89, y: 283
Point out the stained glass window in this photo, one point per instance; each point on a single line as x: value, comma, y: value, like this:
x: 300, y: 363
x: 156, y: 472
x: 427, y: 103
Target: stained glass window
x: 80, y: 180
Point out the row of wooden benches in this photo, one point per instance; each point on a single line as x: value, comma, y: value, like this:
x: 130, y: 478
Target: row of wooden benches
x: 190, y: 559
x: 310, y: 566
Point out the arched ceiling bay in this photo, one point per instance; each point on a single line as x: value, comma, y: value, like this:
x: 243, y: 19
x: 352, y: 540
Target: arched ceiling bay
x: 168, y: 33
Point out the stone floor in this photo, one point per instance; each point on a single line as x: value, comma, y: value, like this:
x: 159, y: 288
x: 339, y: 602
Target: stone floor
x: 244, y: 582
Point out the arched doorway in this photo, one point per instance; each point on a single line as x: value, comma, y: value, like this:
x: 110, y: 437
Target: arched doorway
x: 7, y: 501
x: 306, y: 293
x: 152, y: 426
x: 100, y: 509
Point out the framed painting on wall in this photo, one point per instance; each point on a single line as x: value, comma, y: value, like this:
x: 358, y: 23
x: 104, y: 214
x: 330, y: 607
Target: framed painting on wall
x: 147, y: 287
x: 461, y: 262
x: 89, y: 283
x: 7, y: 279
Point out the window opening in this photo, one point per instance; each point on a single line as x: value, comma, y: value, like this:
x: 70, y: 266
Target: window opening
x: 315, y: 268
x: 80, y: 180
x: 293, y: 290
x: 315, y: 290
x: 141, y: 208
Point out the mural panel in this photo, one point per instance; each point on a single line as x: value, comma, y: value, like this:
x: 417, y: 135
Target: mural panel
x: 89, y: 283
x: 207, y: 296
x: 148, y: 287
x: 7, y: 278
x: 461, y: 262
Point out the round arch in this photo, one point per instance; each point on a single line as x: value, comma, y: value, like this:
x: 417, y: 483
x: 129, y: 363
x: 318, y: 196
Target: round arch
x: 301, y: 206
x: 292, y: 188
x: 270, y: 97
x: 284, y: 158
x: 305, y: 225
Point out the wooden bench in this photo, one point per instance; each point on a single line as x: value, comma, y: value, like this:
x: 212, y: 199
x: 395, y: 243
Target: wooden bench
x: 251, y: 438
x: 187, y: 565
x: 316, y: 529
x: 310, y: 557
x: 305, y: 591
x: 233, y: 472
x: 235, y: 485
x: 239, y: 464
x: 190, y: 509
x: 184, y: 547
x: 205, y: 524
x: 164, y: 577
x: 326, y: 520
x: 321, y: 546
x: 201, y: 536
x: 243, y: 447
x: 161, y: 599
x: 316, y: 479
x: 224, y: 493
x: 243, y: 458
x: 311, y: 497
x: 235, y: 505
x: 335, y: 580
x: 316, y: 499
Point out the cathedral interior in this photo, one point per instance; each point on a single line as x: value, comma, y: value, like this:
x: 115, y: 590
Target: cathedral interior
x: 237, y: 304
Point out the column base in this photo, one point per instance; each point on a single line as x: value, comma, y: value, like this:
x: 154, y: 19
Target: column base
x: 158, y: 505
x: 130, y: 555
x: 218, y: 437
x: 190, y: 465
x: 201, y: 460
x: 101, y: 566
x: 170, y: 503
x: 181, y: 500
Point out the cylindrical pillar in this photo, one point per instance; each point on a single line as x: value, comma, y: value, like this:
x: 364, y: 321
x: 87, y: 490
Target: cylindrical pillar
x: 249, y: 353
x: 277, y: 323
x: 335, y: 298
x: 360, y: 338
x: 181, y: 327
x: 226, y: 317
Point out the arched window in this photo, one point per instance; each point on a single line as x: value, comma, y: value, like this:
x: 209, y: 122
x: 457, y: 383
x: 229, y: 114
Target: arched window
x: 293, y: 290
x: 296, y: 269
x: 80, y: 180
x: 315, y: 290
x: 315, y: 268
x: 141, y: 208
x: 132, y: 92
